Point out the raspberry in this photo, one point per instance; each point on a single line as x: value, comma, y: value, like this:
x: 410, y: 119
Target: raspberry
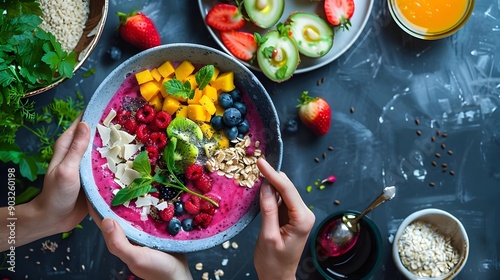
x: 208, y: 207
x: 146, y: 114
x: 162, y: 120
x: 157, y: 139
x: 130, y: 125
x: 122, y: 115
x: 168, y: 193
x: 204, y: 183
x: 142, y: 132
x: 193, y: 171
x: 202, y: 220
x: 168, y: 213
x: 192, y: 205
x: 152, y: 154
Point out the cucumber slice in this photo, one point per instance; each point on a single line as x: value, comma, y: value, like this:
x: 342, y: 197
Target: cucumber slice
x: 278, y: 56
x: 314, y: 37
x: 264, y: 13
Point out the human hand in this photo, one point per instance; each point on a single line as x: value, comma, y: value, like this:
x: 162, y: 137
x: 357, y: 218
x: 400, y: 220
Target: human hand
x: 285, y: 228
x: 144, y: 262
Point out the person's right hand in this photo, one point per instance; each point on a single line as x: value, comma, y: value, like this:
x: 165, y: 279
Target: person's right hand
x: 144, y: 262
x: 285, y: 228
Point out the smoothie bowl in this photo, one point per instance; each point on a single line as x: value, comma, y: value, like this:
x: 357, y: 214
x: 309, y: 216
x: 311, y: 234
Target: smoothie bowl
x: 175, y: 135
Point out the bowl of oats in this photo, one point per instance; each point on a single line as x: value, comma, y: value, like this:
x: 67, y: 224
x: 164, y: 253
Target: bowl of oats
x: 58, y: 38
x: 430, y: 244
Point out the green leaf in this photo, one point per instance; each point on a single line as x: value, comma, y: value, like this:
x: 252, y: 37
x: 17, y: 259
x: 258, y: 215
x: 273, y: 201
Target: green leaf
x: 142, y: 165
x: 268, y: 52
x: 179, y: 89
x: 137, y: 188
x: 28, y: 167
x: 10, y: 152
x: 280, y: 74
x: 52, y: 59
x: 66, y: 234
x: 258, y: 39
x: 89, y: 73
x: 27, y: 195
x: 204, y: 76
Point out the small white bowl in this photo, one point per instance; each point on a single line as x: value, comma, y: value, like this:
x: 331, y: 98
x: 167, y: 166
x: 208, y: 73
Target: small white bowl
x: 447, y: 224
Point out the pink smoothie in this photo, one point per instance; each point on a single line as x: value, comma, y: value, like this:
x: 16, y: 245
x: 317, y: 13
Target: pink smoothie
x: 235, y: 200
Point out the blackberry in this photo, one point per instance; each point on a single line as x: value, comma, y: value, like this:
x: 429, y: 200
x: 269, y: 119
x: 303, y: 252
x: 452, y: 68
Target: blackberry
x: 168, y: 193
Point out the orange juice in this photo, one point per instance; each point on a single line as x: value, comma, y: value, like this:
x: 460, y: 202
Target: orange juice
x: 432, y: 17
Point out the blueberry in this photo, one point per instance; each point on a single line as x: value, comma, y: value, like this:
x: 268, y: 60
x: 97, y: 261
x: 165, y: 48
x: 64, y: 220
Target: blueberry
x: 225, y: 100
x: 217, y: 122
x: 231, y: 116
x: 291, y: 126
x: 235, y: 94
x: 187, y: 224
x: 243, y: 127
x: 231, y: 132
x: 174, y: 226
x: 241, y: 136
x: 241, y: 107
x: 178, y: 208
x: 114, y: 53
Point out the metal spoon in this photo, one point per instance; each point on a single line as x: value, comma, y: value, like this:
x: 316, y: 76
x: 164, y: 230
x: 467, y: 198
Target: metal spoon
x: 340, y: 235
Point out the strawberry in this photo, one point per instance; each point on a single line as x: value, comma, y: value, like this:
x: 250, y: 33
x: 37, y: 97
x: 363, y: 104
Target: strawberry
x: 138, y: 30
x: 315, y: 113
x: 225, y: 17
x: 241, y: 44
x: 339, y: 12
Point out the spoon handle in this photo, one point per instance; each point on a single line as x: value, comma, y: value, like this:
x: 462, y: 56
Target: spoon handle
x: 387, y: 194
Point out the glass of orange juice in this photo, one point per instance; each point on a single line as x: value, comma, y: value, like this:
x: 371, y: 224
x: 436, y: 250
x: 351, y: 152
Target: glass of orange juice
x: 431, y: 19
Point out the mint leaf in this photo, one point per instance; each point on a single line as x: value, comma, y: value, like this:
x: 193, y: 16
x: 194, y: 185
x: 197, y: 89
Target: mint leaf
x: 137, y: 188
x: 178, y: 89
x: 204, y: 76
x: 280, y: 74
x: 142, y: 165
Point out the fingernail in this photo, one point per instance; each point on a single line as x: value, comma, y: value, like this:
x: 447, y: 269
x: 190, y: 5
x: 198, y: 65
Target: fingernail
x: 108, y: 225
x: 266, y: 189
x: 81, y: 129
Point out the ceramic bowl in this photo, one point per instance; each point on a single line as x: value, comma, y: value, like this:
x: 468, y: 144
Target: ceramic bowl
x: 197, y: 55
x: 98, y: 12
x: 446, y: 224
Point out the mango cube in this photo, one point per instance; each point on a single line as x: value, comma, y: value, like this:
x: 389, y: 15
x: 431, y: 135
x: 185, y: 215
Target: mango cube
x: 219, y: 110
x: 184, y: 70
x: 156, y: 74
x: 157, y: 102
x: 144, y: 77
x: 170, y: 105
x: 216, y: 73
x: 222, y: 140
x: 211, y: 93
x: 224, y: 82
x: 149, y: 90
x: 196, y: 98
x: 196, y: 113
x: 208, y: 105
x: 166, y: 69
x: 182, y: 111
x: 207, y: 129
x: 192, y: 81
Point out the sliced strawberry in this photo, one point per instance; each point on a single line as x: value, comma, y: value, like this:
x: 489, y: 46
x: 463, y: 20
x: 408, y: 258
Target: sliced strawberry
x: 339, y: 12
x: 241, y: 44
x: 225, y: 17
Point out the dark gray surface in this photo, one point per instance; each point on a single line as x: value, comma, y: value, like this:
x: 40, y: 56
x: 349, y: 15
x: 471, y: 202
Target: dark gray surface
x: 451, y: 85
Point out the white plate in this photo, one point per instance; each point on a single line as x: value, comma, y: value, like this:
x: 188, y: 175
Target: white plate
x: 343, y: 39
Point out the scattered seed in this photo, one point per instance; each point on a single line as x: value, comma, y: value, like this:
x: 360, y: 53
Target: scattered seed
x: 444, y: 135
x: 54, y: 268
x: 432, y: 184
x: 450, y: 152
x: 452, y: 173
x: 324, y: 155
x: 322, y: 79
x: 438, y: 133
x: 204, y: 276
x: 419, y: 132
x: 83, y: 267
x: 444, y: 165
x: 226, y: 244
x: 336, y: 202
x: 224, y: 262
x: 234, y: 245
x: 330, y: 148
x: 26, y: 257
x: 417, y: 121
x: 318, y: 82
x: 351, y: 110
x: 67, y: 269
x: 433, y: 138
x: 434, y: 163
x: 438, y: 155
x: 37, y: 262
x: 443, y: 146
x: 316, y: 159
x: 309, y: 189
x: 322, y: 187
x: 445, y: 169
x: 198, y: 266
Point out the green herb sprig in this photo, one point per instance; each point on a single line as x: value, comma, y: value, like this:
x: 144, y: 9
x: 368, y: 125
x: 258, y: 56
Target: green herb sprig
x: 183, y: 89
x: 143, y: 185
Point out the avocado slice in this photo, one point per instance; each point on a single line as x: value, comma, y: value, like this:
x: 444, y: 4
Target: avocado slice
x: 264, y: 13
x: 314, y: 37
x: 278, y: 55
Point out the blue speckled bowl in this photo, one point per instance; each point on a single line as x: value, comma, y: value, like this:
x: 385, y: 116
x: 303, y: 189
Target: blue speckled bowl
x: 200, y: 55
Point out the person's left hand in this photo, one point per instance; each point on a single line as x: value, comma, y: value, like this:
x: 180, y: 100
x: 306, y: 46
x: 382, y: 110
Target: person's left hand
x: 62, y: 204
